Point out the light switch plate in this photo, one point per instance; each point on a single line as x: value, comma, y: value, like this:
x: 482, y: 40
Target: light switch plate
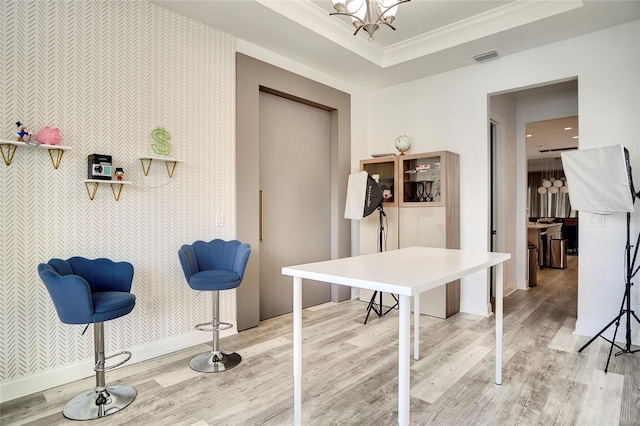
x: 597, y: 221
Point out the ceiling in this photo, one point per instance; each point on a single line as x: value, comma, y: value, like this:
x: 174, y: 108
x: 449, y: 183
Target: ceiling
x: 546, y: 140
x: 431, y: 36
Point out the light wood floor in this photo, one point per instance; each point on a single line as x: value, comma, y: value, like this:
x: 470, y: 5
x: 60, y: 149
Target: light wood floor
x: 350, y: 373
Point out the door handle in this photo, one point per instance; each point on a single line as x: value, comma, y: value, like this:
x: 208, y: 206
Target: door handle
x: 261, y: 215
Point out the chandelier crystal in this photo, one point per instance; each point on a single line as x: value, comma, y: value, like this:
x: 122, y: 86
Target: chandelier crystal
x: 368, y: 14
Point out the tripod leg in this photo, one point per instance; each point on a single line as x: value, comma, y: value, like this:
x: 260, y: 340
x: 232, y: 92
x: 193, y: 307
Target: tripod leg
x: 606, y: 367
x: 396, y: 304
x: 599, y: 333
x: 372, y: 305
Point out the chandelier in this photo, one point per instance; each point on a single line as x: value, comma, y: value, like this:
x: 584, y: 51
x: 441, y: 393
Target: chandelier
x: 551, y: 184
x: 368, y: 14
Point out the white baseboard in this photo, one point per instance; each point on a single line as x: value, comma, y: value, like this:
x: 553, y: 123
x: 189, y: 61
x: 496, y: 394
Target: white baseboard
x: 590, y: 329
x: 16, y: 388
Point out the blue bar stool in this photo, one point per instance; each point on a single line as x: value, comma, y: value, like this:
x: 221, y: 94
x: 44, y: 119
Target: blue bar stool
x: 213, y: 266
x: 86, y: 291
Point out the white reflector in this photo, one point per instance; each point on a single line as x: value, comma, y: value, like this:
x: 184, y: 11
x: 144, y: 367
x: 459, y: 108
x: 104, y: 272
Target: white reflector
x: 598, y: 180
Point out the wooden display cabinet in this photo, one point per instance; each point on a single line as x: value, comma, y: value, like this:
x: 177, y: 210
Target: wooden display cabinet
x: 429, y: 216
x: 425, y: 211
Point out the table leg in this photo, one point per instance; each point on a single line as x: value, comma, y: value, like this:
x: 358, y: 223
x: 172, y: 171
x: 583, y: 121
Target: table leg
x: 297, y: 351
x: 404, y: 325
x: 499, y: 319
x: 416, y: 327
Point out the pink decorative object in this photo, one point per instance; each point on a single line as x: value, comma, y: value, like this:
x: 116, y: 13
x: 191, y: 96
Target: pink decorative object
x: 49, y: 136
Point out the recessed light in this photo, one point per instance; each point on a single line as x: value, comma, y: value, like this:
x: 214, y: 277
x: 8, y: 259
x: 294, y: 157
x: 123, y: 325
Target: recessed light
x: 568, y: 128
x: 528, y: 136
x: 576, y: 137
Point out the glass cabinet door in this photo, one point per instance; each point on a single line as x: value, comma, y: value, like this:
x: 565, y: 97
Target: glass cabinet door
x: 384, y: 171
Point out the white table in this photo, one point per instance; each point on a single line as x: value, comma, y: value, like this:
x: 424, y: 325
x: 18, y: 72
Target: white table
x: 395, y: 272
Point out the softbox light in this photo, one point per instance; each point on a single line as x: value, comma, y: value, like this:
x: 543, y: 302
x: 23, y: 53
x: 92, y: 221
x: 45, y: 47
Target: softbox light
x: 363, y: 196
x: 599, y: 180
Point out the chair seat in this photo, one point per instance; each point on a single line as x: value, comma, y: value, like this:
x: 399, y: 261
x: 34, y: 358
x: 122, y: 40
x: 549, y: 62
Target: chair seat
x: 112, y: 304
x: 213, y: 280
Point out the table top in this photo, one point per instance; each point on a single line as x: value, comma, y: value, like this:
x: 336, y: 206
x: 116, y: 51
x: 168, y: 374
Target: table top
x: 406, y: 271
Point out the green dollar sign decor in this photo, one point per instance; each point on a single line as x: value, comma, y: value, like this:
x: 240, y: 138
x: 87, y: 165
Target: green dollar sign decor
x: 161, y: 137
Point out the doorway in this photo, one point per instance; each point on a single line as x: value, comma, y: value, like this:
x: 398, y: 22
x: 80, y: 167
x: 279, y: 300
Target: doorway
x: 518, y: 107
x: 295, y: 206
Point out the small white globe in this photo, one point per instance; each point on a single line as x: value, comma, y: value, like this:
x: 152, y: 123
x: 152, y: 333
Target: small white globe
x: 402, y: 144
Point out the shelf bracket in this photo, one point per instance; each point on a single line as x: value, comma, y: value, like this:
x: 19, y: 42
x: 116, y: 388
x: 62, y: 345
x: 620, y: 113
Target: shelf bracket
x: 56, y: 162
x: 173, y: 167
x: 146, y: 166
x: 11, y: 150
x: 91, y: 193
x: 116, y: 195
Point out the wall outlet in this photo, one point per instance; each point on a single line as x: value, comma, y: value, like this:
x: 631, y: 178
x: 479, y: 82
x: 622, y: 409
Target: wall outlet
x: 597, y: 221
x: 220, y: 219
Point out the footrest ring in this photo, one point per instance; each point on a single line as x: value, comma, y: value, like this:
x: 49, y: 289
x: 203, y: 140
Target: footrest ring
x: 208, y: 326
x: 111, y: 367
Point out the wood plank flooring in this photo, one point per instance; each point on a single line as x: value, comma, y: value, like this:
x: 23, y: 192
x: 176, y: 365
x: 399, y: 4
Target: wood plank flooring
x: 350, y: 373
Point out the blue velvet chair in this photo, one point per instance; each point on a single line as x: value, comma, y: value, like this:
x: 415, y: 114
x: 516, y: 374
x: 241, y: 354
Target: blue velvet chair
x: 91, y: 291
x: 213, y: 266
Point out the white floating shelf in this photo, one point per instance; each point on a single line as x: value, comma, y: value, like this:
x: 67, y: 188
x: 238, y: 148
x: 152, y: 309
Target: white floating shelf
x: 146, y: 161
x: 12, y: 145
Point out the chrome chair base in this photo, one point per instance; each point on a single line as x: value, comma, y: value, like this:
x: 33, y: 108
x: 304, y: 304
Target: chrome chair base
x: 93, y: 404
x: 215, y: 362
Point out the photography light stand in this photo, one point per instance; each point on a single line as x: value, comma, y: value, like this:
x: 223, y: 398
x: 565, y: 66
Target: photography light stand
x: 625, y: 308
x: 363, y: 198
x: 377, y: 308
x: 587, y: 172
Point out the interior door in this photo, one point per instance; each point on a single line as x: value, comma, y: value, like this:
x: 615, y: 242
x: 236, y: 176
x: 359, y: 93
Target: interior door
x: 295, y: 179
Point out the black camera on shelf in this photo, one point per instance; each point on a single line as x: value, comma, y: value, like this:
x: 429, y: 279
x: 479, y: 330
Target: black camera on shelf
x: 99, y: 167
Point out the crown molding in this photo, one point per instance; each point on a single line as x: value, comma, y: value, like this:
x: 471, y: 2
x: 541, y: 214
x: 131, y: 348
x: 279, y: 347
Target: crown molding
x: 511, y: 15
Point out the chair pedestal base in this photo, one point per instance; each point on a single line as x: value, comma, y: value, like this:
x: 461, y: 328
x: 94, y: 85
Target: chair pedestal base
x: 93, y: 404
x: 215, y: 362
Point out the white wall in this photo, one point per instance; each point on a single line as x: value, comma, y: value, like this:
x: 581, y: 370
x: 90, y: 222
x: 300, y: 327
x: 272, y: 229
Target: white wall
x: 449, y: 111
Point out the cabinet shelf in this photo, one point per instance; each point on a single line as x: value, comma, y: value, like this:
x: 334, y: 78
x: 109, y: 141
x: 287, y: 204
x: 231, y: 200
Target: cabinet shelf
x: 55, y: 151
x: 91, y: 185
x: 384, y: 170
x: 145, y: 162
x: 428, y: 178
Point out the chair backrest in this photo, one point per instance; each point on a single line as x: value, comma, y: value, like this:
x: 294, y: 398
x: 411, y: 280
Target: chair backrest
x: 214, y: 255
x: 101, y: 274
x: 71, y: 282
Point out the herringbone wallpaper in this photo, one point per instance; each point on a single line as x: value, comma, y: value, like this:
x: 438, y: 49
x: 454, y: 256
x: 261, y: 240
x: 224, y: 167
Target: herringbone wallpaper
x: 107, y: 73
